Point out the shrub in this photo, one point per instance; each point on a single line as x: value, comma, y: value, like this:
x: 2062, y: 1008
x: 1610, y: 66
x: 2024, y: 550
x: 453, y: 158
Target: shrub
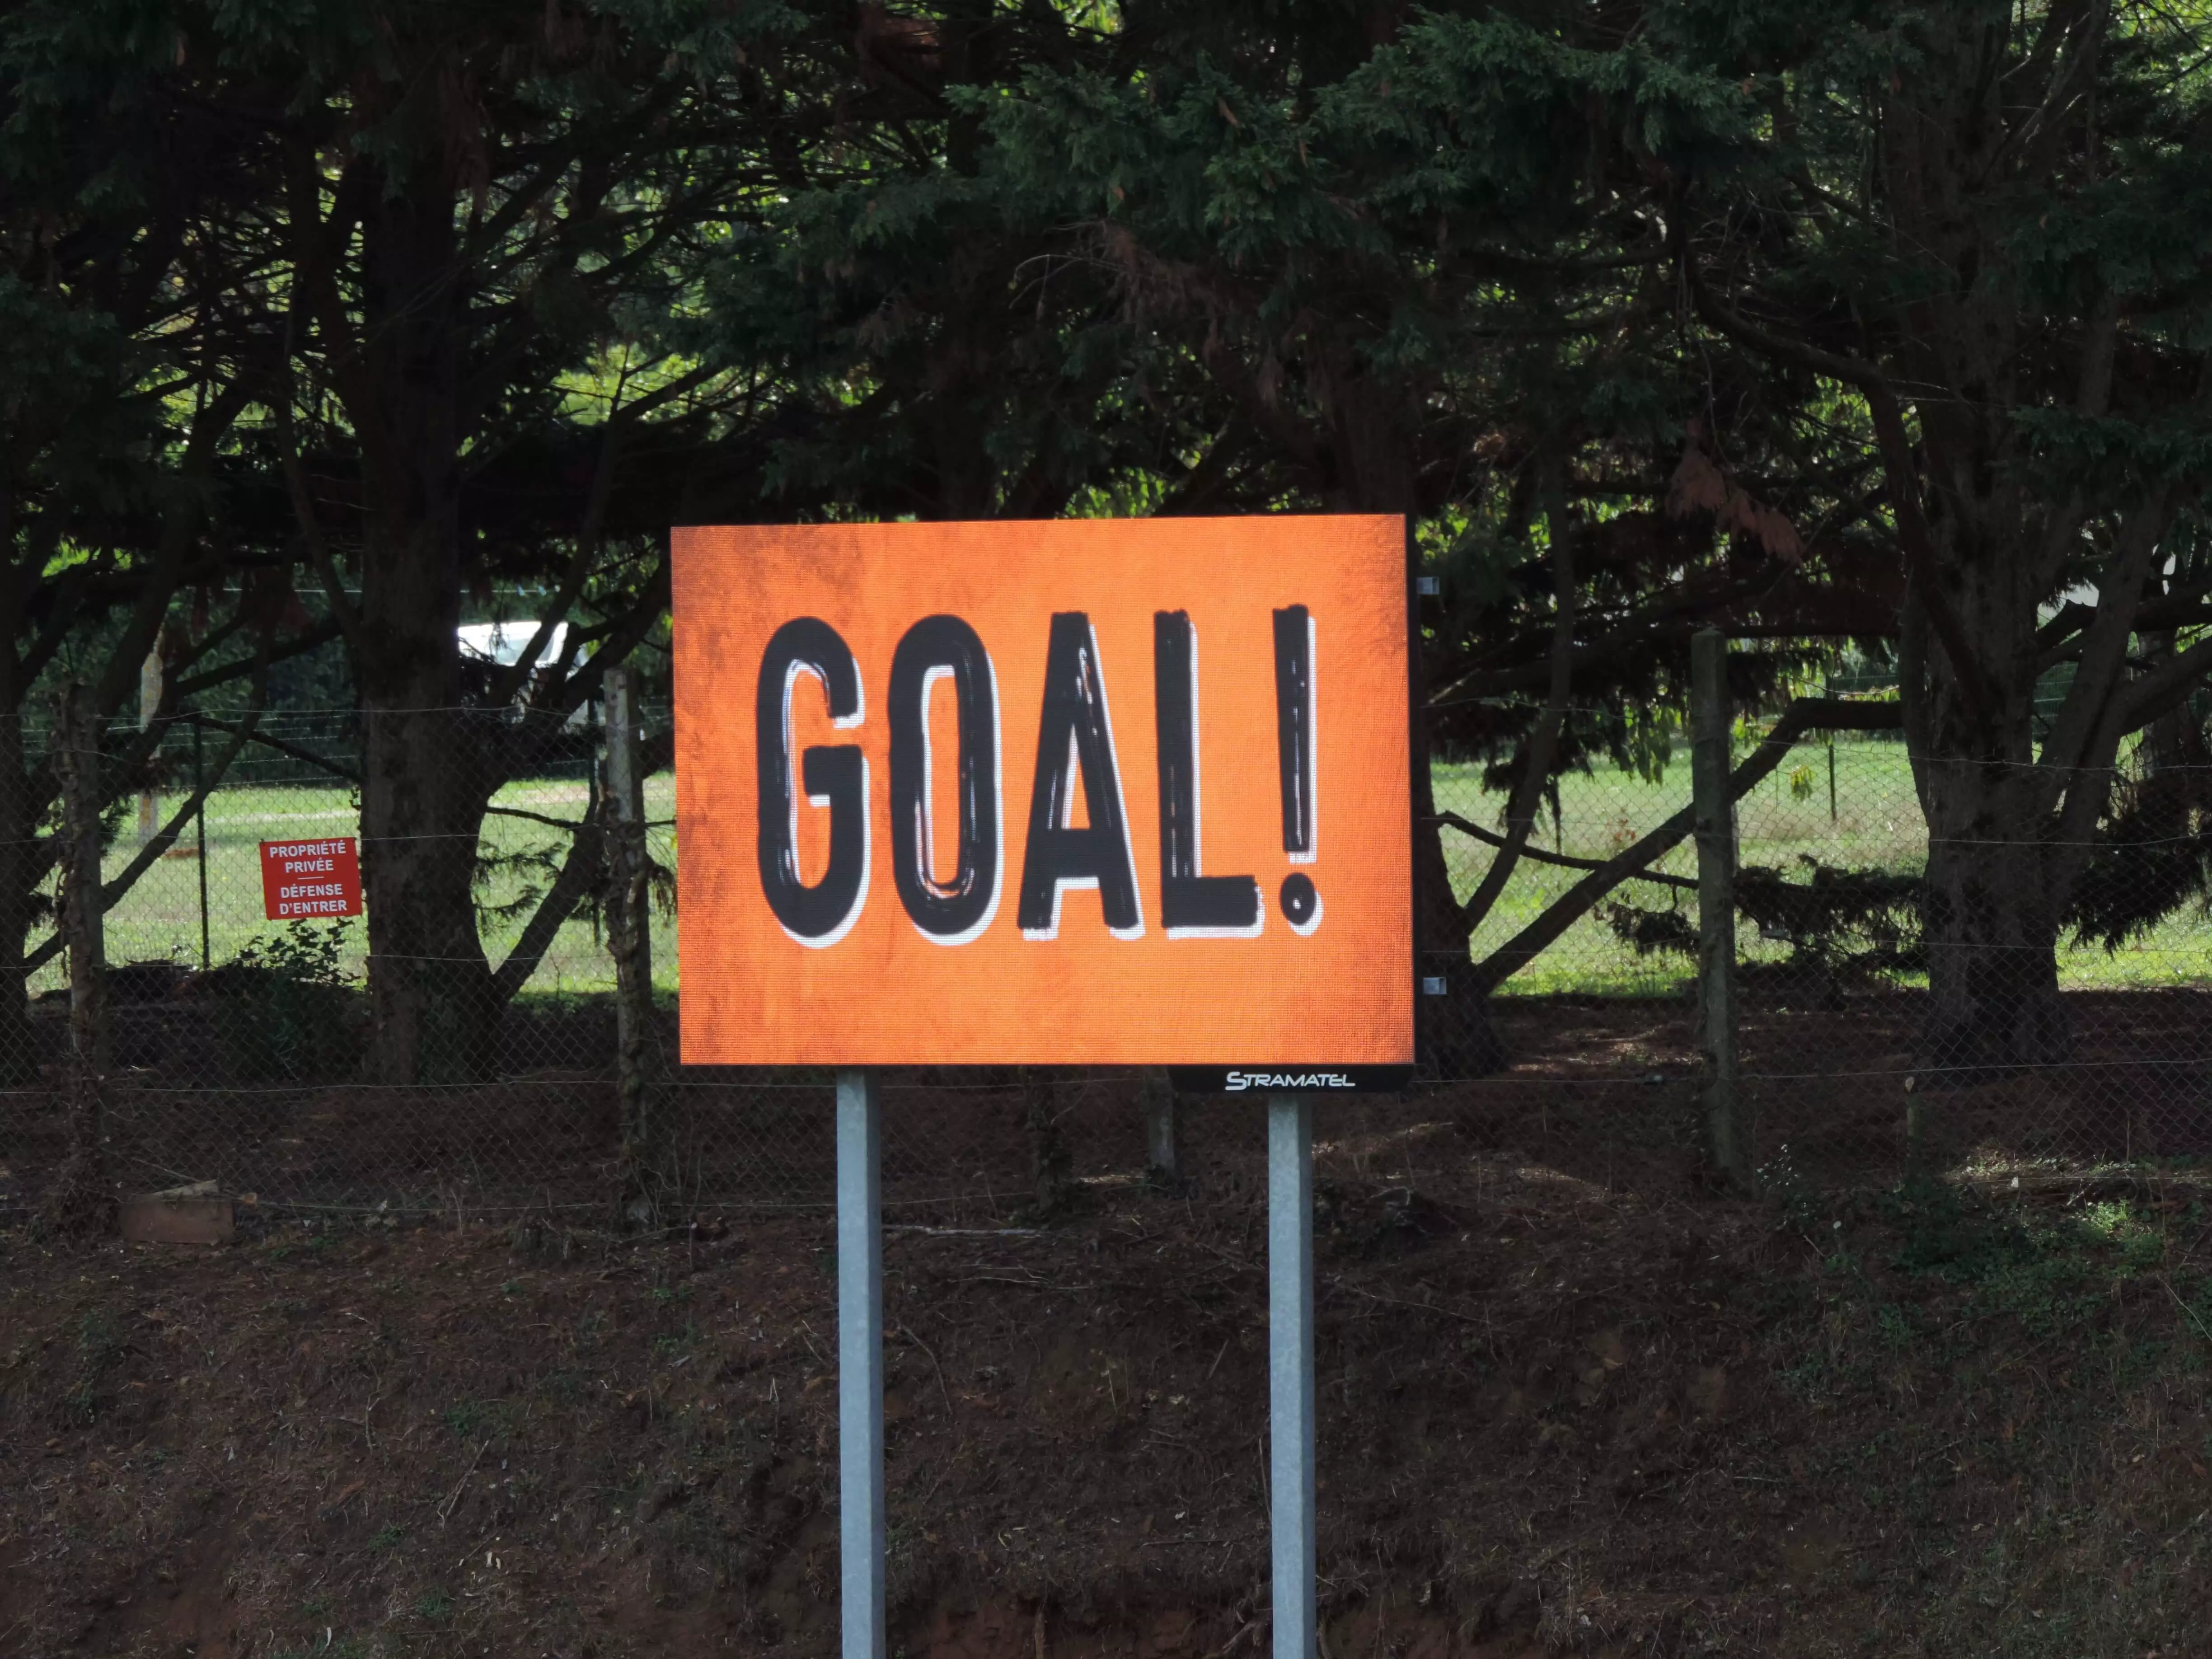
x: 285, y: 1009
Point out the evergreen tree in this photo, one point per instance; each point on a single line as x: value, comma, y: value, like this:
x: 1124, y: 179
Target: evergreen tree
x: 490, y: 223
x: 1975, y: 233
x: 122, y: 395
x: 1414, y: 268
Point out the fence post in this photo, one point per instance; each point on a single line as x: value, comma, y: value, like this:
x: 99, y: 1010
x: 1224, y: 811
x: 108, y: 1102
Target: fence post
x: 1163, y: 1128
x: 150, y: 674
x: 629, y: 940
x: 1715, y: 818
x: 1915, y: 1130
x: 199, y: 822
x: 82, y: 1199
x: 77, y: 748
x: 1052, y: 1166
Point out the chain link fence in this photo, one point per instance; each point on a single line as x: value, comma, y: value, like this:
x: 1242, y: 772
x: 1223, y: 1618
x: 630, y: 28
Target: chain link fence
x: 2094, y: 1052
x: 239, y: 1047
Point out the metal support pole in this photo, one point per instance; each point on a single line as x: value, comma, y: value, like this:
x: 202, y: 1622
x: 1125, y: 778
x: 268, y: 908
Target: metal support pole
x: 1714, y: 812
x: 860, y: 1363
x: 1290, y: 1373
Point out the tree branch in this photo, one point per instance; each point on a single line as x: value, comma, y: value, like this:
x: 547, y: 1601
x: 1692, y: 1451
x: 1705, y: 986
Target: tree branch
x: 112, y: 893
x: 2164, y: 686
x: 1805, y: 714
x: 298, y: 645
x: 581, y: 872
x: 1565, y: 861
x: 303, y: 509
x: 2092, y: 700
x: 1542, y: 742
x: 1915, y: 538
x: 180, y: 523
x: 307, y: 756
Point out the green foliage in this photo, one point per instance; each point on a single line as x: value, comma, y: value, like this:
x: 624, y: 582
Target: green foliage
x: 484, y: 1420
x: 1843, y: 924
x: 97, y: 1334
x: 1945, y: 1231
x: 1851, y: 922
x: 341, y: 1647
x: 2155, y: 854
x: 435, y: 1606
x: 80, y: 441
x: 1517, y: 273
x: 1651, y: 931
x: 2051, y: 1275
x: 672, y: 1345
x: 2004, y: 345
x: 1783, y: 1182
x: 99, y: 1342
x: 285, y: 1012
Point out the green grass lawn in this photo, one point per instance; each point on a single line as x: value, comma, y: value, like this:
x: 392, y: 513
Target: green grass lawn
x: 1875, y: 821
x: 160, y: 919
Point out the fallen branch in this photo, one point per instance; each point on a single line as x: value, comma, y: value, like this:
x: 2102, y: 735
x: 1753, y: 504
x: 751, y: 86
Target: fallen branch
x: 934, y: 1365
x: 444, y: 1510
x: 1417, y: 1307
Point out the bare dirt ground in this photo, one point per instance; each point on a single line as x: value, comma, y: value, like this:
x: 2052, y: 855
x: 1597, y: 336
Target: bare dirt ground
x: 1569, y: 1404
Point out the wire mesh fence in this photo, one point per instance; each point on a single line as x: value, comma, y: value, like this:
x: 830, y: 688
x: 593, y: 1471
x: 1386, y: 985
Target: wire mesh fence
x: 2031, y: 997
x: 244, y: 1050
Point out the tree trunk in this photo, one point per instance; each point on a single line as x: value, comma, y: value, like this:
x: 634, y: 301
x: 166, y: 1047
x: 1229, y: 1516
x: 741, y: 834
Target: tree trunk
x: 1454, y: 1035
x: 629, y: 940
x: 1992, y: 924
x: 1470, y: 1048
x: 1373, y: 453
x: 76, y: 745
x: 82, y: 1199
x: 435, y: 1010
x: 1982, y: 552
x: 1999, y: 870
x: 20, y: 867
x: 2000, y: 864
x: 424, y: 776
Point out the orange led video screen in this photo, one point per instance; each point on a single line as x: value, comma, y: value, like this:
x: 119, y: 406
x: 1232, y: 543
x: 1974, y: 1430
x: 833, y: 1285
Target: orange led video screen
x: 1074, y: 791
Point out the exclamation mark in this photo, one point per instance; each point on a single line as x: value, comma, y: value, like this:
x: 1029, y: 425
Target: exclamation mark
x: 1294, y: 749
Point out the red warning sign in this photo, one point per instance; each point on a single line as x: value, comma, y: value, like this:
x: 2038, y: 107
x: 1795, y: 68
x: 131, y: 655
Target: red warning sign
x: 307, y: 879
